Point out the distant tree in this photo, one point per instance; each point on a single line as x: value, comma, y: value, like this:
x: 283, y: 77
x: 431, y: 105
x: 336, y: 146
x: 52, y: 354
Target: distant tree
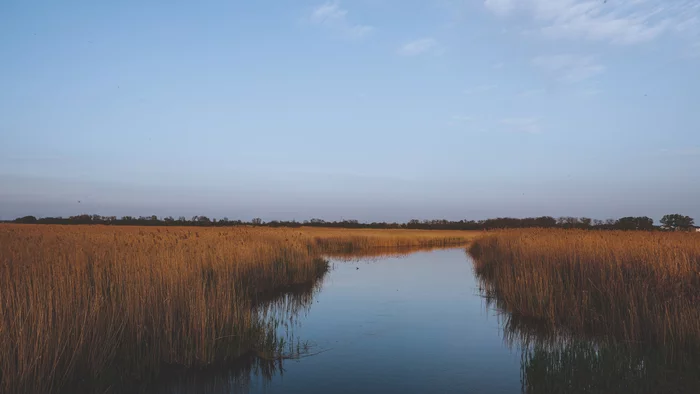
x: 635, y: 223
x: 627, y: 223
x: 203, y: 220
x: 568, y: 222
x: 26, y: 219
x: 546, y: 221
x: 413, y: 223
x: 677, y: 222
x: 81, y: 219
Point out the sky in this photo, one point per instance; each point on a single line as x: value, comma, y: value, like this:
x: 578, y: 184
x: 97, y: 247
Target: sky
x: 355, y: 109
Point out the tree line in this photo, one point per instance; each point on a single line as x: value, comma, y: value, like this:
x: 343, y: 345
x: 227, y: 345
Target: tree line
x: 639, y: 223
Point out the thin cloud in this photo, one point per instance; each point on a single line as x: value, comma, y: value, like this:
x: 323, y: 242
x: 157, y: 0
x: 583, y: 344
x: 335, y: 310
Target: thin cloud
x: 568, y: 67
x: 693, y: 51
x: 333, y: 17
x: 418, y: 47
x: 462, y: 118
x: 500, y: 7
x: 529, y: 125
x: 532, y: 93
x: 480, y: 89
x: 590, y: 92
x: 614, y: 21
x: 456, y: 120
x: 689, y: 151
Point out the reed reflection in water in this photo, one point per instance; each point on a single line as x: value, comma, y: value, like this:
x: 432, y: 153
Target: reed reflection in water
x: 554, y: 360
x: 280, y: 314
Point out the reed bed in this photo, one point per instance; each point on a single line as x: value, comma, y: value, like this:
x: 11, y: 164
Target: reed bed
x: 85, y: 306
x: 633, y: 287
x: 560, y: 361
x: 344, y: 241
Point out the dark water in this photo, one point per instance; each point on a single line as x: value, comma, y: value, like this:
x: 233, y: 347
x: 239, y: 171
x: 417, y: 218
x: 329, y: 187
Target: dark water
x: 417, y: 324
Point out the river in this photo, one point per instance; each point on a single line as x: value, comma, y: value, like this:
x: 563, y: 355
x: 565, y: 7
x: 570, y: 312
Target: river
x: 418, y: 323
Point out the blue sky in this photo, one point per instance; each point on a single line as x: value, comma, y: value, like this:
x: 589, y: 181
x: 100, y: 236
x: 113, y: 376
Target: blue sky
x: 366, y: 109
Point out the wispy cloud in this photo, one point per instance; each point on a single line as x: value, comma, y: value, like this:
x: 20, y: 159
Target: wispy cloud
x: 500, y: 7
x: 462, y: 118
x: 694, y: 50
x: 529, y: 125
x: 687, y: 151
x: 531, y: 93
x: 480, y: 89
x: 332, y: 16
x: 590, y: 92
x: 568, y: 67
x: 418, y: 47
x: 498, y: 66
x: 614, y: 21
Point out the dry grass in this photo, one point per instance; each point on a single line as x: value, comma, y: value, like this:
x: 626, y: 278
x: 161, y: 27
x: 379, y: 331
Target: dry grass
x: 345, y: 241
x: 97, y: 303
x: 631, y: 286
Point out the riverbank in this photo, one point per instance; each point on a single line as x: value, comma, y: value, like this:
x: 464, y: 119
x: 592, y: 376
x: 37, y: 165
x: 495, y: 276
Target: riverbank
x: 85, y: 304
x: 637, y: 287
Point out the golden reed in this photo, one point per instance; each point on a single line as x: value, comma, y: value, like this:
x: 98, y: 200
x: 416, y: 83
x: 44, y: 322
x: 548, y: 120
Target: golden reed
x: 98, y: 303
x: 641, y: 287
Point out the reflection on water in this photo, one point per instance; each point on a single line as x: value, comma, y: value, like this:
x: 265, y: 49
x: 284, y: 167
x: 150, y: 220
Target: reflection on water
x: 232, y: 378
x: 279, y: 314
x: 422, y: 322
x: 554, y: 360
x: 377, y: 254
x: 584, y: 367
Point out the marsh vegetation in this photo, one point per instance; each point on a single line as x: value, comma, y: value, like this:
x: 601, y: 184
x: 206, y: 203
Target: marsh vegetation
x: 632, y: 286
x: 177, y: 309
x: 597, y: 312
x: 559, y: 361
x: 88, y: 306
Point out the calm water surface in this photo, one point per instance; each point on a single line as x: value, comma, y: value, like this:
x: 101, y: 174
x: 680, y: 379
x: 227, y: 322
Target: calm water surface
x: 418, y: 324
x: 402, y: 324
